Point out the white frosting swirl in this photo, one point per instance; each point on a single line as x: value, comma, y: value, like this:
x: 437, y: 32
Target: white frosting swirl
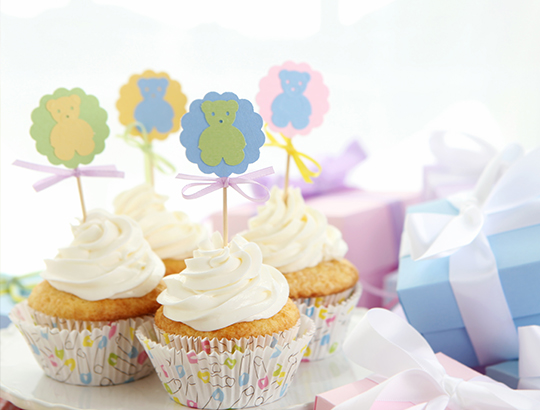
x: 224, y: 285
x: 293, y: 236
x: 108, y: 259
x: 170, y: 234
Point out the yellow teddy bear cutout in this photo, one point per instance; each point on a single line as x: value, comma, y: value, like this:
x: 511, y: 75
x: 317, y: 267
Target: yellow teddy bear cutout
x: 70, y: 134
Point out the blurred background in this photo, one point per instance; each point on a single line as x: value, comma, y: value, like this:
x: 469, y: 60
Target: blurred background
x: 395, y: 70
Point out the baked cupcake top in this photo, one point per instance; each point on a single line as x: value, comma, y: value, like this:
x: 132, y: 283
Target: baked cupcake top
x: 172, y: 235
x: 293, y: 236
x: 223, y: 285
x: 107, y: 259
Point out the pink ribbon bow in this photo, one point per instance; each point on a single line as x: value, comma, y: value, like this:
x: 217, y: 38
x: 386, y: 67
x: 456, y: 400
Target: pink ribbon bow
x: 213, y: 184
x: 59, y: 174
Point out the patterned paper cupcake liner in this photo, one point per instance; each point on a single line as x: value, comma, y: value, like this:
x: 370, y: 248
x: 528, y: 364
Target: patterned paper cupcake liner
x: 199, y: 344
x: 248, y: 378
x: 331, y: 315
x: 84, y: 353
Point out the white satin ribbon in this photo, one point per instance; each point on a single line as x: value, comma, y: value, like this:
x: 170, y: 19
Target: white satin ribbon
x: 529, y: 357
x: 507, y: 197
x: 389, y: 346
x: 461, y: 160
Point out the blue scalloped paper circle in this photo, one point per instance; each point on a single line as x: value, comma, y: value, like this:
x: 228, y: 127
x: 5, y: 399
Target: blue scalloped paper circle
x: 247, y: 121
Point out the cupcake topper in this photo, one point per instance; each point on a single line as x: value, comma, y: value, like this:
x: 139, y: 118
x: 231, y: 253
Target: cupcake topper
x: 293, y: 100
x: 222, y: 135
x: 70, y: 128
x: 151, y: 106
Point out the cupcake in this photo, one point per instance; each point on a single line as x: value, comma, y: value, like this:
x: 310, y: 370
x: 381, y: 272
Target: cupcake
x: 227, y: 335
x: 80, y: 321
x: 170, y: 234
x: 299, y: 242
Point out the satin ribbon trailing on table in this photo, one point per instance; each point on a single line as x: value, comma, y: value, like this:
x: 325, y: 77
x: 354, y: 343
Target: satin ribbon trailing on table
x: 506, y: 197
x: 19, y: 287
x: 213, y: 184
x: 529, y: 357
x: 387, y: 345
x: 59, y: 174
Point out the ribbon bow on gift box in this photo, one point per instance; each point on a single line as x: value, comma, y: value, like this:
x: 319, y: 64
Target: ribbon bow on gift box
x: 529, y: 357
x: 389, y: 346
x: 506, y: 197
x: 460, y: 159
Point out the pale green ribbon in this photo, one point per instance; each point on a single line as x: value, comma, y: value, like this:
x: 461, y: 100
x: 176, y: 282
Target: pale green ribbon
x: 152, y: 159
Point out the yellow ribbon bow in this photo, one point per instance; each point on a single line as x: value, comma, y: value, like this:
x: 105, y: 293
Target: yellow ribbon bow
x: 306, y: 173
x: 151, y: 158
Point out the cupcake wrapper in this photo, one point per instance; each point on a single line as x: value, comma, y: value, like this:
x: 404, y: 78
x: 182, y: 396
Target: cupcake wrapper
x: 199, y: 344
x: 240, y: 379
x: 331, y: 315
x: 84, y: 353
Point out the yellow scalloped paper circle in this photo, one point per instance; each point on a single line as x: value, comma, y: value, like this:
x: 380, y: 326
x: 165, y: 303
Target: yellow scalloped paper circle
x: 131, y: 98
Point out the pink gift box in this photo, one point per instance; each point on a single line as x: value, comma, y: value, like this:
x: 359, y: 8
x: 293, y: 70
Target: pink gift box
x: 371, y: 224
x: 330, y: 399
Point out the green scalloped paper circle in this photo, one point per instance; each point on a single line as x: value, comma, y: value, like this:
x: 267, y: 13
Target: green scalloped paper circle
x: 90, y: 111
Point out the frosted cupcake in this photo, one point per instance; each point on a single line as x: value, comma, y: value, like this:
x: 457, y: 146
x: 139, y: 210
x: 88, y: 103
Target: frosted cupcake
x: 80, y: 321
x: 299, y: 242
x: 227, y: 334
x: 170, y: 234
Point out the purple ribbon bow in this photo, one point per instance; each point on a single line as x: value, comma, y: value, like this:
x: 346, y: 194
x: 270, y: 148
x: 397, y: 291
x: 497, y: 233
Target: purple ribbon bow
x: 213, y: 184
x: 59, y: 174
x: 332, y: 179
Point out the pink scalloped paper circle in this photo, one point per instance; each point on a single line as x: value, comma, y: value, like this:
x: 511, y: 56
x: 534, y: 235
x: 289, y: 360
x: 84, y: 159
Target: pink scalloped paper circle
x: 316, y: 92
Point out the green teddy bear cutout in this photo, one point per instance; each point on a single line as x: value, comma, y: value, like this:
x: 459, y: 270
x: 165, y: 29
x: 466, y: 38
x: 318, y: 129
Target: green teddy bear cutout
x: 221, y: 139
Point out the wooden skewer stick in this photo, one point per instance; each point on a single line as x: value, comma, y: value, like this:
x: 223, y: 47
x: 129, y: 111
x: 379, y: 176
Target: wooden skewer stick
x: 286, y: 184
x: 225, y: 218
x: 81, y: 198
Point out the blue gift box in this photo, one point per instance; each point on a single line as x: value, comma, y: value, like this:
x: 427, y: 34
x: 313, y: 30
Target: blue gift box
x: 508, y: 373
x: 505, y: 372
x: 428, y: 300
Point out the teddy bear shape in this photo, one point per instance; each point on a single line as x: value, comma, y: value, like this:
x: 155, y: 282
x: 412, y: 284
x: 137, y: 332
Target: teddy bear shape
x: 70, y: 134
x: 221, y: 139
x: 153, y: 111
x: 291, y: 105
